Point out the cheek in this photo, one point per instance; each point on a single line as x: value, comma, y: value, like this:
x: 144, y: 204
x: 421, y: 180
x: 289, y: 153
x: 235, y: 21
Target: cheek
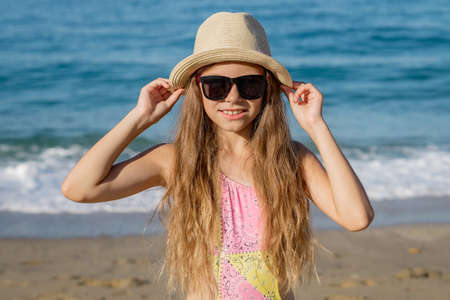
x: 258, y: 107
x: 209, y: 108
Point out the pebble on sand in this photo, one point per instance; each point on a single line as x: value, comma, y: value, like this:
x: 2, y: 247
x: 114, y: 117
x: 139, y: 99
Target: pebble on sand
x: 417, y: 272
x: 414, y: 250
x: 124, y: 261
x: 32, y: 262
x: 370, y: 282
x: 119, y: 283
x: 351, y: 283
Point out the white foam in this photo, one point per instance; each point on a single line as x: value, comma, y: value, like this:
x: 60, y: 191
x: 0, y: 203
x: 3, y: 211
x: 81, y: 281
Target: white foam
x: 33, y: 185
x: 416, y: 172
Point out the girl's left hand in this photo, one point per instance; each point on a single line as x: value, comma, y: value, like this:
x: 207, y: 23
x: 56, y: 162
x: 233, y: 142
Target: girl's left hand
x: 306, y: 104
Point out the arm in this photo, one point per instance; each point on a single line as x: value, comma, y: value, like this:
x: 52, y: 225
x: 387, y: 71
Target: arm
x: 95, y: 179
x: 335, y: 189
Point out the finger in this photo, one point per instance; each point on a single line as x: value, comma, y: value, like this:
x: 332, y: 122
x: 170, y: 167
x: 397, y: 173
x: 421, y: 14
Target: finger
x: 164, y: 84
x: 311, y: 87
x: 298, y: 93
x: 174, y: 97
x: 166, y: 94
x: 163, y: 79
x: 157, y: 83
x: 159, y: 91
x: 290, y: 93
x: 287, y: 91
x: 297, y: 84
x: 297, y: 97
x: 162, y: 88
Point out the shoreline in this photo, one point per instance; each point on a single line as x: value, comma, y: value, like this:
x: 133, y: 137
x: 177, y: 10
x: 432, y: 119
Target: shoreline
x: 391, y: 262
x: 416, y: 210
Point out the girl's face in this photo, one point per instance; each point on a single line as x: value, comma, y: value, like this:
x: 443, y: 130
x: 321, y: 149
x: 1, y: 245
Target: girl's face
x: 234, y: 113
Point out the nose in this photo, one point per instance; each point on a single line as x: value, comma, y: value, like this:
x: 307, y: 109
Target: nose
x: 233, y: 96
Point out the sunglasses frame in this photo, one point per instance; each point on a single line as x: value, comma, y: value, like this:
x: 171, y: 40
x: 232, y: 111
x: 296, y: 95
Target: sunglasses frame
x: 234, y: 80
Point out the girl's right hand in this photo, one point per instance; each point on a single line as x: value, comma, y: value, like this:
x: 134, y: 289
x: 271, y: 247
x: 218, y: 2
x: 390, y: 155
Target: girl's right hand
x: 155, y: 100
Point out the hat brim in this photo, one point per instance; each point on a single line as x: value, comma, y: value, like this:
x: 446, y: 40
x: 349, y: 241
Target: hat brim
x: 184, y: 69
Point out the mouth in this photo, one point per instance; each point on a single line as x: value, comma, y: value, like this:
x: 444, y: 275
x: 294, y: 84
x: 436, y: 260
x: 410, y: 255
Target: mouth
x: 233, y: 113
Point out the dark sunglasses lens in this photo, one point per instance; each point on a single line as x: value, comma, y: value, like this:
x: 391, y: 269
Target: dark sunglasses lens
x: 252, y: 87
x: 216, y: 88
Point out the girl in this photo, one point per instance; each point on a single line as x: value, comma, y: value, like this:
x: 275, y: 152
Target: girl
x: 238, y: 188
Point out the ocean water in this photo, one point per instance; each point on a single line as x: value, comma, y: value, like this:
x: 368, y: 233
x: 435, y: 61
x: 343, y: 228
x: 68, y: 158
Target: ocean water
x: 70, y: 70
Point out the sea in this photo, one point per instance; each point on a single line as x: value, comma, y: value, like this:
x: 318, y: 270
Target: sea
x: 70, y: 70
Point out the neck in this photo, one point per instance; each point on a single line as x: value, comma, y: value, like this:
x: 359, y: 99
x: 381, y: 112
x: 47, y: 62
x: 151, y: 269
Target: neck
x: 233, y: 142
x: 234, y: 155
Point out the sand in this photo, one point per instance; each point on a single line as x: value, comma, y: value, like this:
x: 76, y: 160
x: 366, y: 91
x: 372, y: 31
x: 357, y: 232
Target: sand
x: 395, y: 262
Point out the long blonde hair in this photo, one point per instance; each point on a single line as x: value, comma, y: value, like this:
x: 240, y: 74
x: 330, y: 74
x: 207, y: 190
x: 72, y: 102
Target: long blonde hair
x: 190, y: 208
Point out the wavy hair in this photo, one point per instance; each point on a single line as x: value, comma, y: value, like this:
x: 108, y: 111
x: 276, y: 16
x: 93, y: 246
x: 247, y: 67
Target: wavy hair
x: 190, y: 208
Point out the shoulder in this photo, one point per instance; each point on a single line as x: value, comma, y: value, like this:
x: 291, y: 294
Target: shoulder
x: 165, y: 148
x: 314, y: 173
x: 307, y: 158
x: 301, y: 150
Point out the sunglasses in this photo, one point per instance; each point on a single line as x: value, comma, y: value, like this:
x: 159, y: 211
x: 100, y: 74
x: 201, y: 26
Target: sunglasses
x: 250, y: 87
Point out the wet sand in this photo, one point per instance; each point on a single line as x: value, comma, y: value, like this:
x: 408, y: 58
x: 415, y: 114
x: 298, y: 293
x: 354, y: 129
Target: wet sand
x: 394, y: 262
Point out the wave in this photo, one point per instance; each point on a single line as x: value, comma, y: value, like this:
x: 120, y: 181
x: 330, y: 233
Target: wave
x: 32, y: 185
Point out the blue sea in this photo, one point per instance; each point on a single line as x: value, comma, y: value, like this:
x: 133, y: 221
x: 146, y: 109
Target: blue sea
x: 70, y: 70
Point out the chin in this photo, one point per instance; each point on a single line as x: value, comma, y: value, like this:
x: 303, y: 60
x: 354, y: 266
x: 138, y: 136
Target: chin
x: 235, y: 128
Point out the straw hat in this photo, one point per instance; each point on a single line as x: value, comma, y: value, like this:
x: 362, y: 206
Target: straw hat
x: 228, y: 36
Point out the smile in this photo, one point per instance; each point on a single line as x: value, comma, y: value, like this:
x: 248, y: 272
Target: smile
x: 233, y: 114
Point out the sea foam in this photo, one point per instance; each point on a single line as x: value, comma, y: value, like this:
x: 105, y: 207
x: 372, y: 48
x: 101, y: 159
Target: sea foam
x: 33, y: 185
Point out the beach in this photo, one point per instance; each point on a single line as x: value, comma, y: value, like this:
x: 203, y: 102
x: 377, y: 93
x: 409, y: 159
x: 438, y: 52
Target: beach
x: 391, y: 262
x: 70, y: 72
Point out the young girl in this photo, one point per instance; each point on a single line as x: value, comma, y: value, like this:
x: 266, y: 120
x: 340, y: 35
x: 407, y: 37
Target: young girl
x: 238, y: 188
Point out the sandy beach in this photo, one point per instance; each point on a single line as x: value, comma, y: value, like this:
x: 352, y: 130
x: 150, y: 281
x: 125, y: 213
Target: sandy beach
x: 395, y: 262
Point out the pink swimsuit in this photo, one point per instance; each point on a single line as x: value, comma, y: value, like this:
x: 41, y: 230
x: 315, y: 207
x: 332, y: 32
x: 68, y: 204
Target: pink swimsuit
x: 241, y: 271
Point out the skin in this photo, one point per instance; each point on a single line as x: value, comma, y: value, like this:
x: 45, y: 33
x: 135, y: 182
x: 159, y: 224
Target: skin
x: 233, y: 134
x: 224, y: 126
x: 334, y: 187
